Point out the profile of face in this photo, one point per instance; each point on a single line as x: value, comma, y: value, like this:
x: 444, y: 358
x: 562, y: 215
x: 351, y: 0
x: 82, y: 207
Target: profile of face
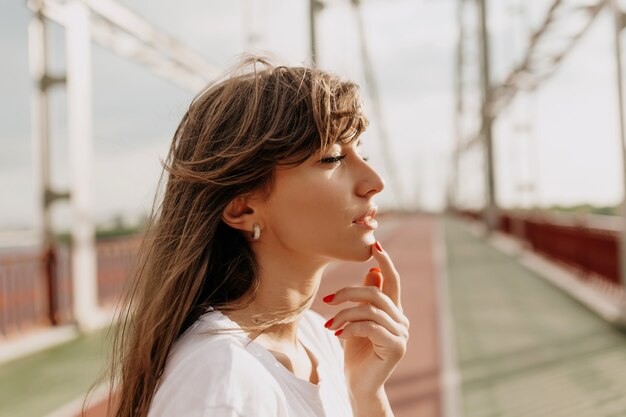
x: 311, y: 210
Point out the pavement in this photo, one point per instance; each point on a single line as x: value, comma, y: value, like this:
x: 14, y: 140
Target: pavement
x: 524, y: 347
x: 490, y: 337
x: 414, y: 387
x: 59, y: 377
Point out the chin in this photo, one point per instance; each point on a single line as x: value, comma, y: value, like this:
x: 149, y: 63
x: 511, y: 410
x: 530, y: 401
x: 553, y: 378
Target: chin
x: 359, y: 252
x: 366, y: 256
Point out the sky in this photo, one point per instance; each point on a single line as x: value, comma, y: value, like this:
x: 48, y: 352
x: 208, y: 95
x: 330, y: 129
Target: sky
x: 571, y: 150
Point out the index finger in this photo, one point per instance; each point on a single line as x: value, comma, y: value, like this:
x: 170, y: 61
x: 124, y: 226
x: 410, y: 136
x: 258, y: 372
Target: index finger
x: 391, y: 277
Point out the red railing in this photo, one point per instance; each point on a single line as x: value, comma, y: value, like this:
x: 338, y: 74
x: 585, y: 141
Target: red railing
x: 23, y: 292
x: 115, y: 259
x: 36, y: 286
x: 588, y: 245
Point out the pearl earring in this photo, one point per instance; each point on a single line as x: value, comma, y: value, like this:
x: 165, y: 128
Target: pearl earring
x: 257, y: 231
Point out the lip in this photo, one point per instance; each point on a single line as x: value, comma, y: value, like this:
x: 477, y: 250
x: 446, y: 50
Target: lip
x: 371, y: 224
x: 370, y: 212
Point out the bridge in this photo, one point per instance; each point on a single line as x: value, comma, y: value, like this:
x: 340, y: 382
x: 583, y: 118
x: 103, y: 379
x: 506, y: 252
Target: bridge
x: 496, y: 329
x: 516, y: 311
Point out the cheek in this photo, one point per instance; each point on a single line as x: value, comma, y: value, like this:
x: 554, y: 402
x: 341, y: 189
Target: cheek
x: 315, y: 222
x: 310, y: 211
x: 312, y: 205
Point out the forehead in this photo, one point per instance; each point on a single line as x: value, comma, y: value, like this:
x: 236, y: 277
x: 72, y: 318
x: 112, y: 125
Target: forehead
x: 356, y: 143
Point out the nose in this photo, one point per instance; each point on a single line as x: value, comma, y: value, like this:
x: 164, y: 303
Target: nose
x: 371, y: 182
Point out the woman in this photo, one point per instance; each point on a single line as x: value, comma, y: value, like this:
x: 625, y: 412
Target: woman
x: 266, y: 187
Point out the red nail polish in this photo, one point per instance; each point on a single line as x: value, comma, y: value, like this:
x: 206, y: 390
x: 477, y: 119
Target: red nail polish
x: 375, y: 269
x: 338, y: 332
x: 329, y: 323
x: 380, y: 249
x: 328, y: 298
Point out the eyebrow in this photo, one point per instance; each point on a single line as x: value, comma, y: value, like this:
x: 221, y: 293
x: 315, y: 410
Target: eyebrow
x: 358, y: 143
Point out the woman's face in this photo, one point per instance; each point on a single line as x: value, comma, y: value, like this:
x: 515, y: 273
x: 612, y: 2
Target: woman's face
x: 312, y: 208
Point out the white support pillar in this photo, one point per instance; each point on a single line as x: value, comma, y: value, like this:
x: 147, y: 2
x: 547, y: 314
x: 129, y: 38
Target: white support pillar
x: 84, y: 271
x: 491, y: 206
x: 39, y: 123
x: 619, y: 26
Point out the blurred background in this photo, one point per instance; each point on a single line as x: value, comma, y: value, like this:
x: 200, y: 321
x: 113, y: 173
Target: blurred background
x: 497, y: 125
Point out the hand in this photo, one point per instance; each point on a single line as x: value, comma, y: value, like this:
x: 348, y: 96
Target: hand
x: 376, y: 332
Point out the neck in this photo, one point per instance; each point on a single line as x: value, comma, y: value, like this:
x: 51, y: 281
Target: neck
x: 286, y: 283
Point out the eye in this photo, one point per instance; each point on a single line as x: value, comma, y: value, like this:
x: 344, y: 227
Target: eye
x: 335, y: 159
x: 332, y: 159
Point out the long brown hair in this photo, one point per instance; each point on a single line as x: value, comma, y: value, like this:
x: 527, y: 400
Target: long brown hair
x: 229, y: 142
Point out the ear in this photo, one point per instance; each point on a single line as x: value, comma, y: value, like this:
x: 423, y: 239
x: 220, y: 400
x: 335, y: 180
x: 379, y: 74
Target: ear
x: 238, y: 214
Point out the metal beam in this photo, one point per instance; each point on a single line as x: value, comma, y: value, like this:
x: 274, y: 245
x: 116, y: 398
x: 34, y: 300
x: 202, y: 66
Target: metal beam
x: 453, y: 185
x: 619, y: 26
x: 548, y: 46
x: 314, y: 6
x: 40, y: 129
x: 80, y: 138
x: 491, y: 208
x: 124, y: 33
x: 372, y: 87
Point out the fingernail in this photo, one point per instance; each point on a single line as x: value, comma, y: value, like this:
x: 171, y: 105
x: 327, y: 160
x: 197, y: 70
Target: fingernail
x: 375, y: 269
x: 329, y: 323
x: 338, y: 332
x: 328, y: 298
x: 380, y: 249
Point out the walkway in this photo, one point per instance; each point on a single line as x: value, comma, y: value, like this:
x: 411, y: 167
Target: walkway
x: 413, y: 388
x: 524, y: 348
x: 38, y: 384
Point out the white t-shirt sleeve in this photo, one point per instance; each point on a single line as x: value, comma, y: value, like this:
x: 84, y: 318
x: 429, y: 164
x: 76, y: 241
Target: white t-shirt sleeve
x: 226, y: 383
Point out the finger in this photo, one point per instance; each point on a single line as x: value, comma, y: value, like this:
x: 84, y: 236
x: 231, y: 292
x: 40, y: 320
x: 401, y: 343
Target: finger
x: 378, y: 335
x: 363, y: 313
x: 374, y: 278
x: 391, y: 283
x: 369, y: 294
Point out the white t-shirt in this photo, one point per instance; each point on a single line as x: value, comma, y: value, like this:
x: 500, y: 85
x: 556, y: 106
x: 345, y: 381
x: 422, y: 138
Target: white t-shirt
x: 227, y: 375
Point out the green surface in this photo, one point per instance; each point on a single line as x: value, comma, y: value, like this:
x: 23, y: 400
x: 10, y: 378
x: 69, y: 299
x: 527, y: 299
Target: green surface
x: 38, y: 384
x: 525, y: 348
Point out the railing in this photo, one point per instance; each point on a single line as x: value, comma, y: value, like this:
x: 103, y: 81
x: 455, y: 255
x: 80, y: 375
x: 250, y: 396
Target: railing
x: 36, y: 285
x: 115, y: 259
x: 588, y: 245
x: 24, y: 296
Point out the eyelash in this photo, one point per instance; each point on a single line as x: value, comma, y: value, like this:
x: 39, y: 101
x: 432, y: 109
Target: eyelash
x: 334, y: 159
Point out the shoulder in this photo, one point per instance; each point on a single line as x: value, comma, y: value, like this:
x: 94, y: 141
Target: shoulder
x: 207, y: 372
